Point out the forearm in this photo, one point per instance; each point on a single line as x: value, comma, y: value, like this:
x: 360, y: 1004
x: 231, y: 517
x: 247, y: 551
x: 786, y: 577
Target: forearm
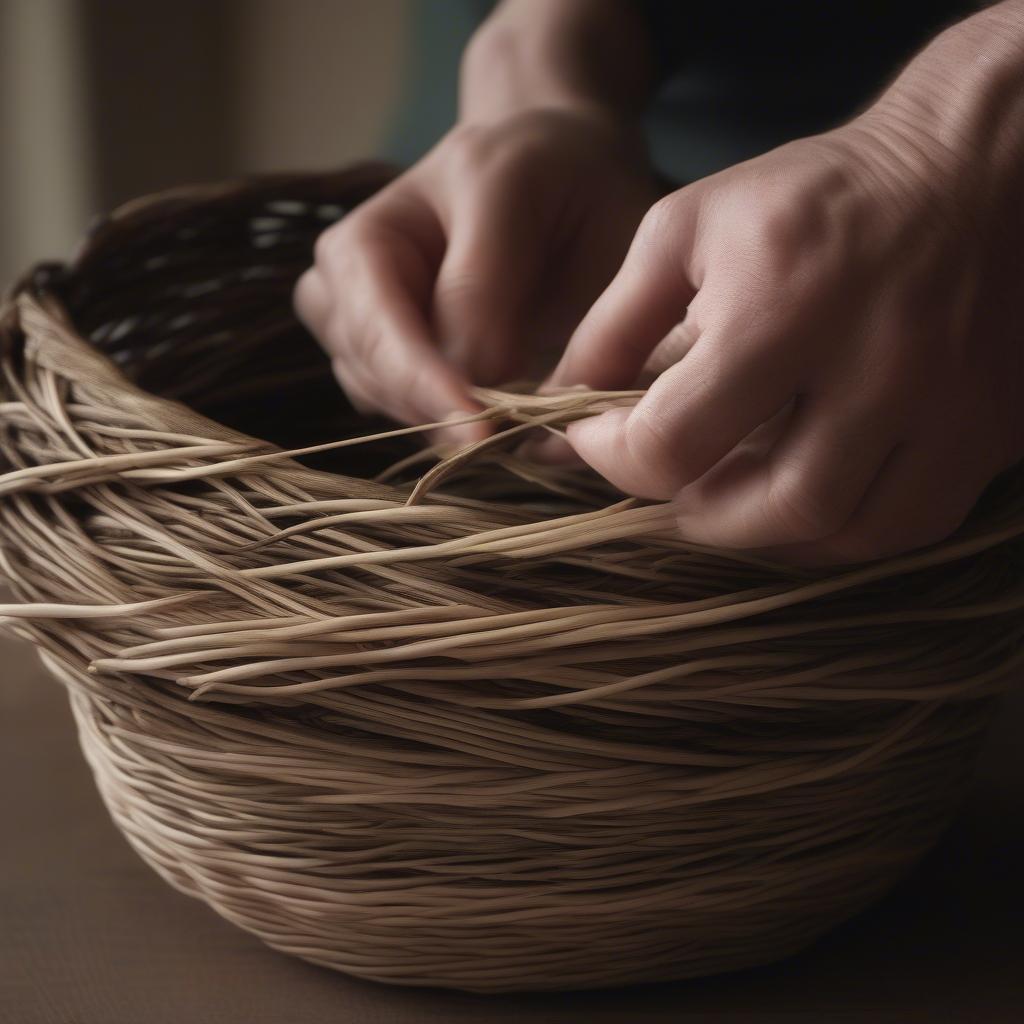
x: 957, y: 109
x: 557, y: 54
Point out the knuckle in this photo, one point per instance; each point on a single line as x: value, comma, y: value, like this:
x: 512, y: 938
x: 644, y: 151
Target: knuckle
x: 671, y: 349
x: 660, y: 236
x: 656, y: 454
x: 659, y: 218
x: 784, y: 226
x: 798, y: 222
x: 323, y: 247
x: 354, y: 234
x: 304, y: 297
x: 330, y: 242
x: 802, y: 507
x: 468, y: 147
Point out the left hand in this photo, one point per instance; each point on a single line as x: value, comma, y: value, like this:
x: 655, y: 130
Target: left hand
x: 836, y: 329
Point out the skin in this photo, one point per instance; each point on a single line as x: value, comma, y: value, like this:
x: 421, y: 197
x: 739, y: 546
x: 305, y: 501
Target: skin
x: 477, y: 264
x: 830, y: 334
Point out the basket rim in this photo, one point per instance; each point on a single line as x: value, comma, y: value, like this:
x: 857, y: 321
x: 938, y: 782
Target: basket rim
x: 35, y: 316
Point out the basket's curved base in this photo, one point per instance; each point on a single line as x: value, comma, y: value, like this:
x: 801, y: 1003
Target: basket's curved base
x: 304, y: 873
x: 491, y: 730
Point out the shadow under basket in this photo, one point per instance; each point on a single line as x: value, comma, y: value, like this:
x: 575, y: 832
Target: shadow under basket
x: 499, y: 729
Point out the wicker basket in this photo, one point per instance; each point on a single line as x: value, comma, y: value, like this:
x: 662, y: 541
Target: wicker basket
x: 498, y: 730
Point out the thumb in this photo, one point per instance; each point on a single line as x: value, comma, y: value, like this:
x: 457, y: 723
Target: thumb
x: 604, y: 443
x: 486, y: 285
x: 644, y: 302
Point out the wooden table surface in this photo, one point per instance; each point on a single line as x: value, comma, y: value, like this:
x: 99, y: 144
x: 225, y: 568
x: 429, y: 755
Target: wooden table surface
x: 89, y: 935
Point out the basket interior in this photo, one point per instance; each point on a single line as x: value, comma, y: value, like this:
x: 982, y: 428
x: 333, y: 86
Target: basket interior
x: 192, y: 300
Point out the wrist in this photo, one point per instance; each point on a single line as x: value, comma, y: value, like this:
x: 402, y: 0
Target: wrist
x: 502, y: 77
x: 953, y: 121
x: 578, y: 56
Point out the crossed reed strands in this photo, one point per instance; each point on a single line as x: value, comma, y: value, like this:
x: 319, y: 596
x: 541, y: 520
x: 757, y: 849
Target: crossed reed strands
x: 464, y: 721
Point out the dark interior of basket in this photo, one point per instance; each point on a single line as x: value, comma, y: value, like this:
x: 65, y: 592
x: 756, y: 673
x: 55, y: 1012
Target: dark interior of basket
x: 191, y: 297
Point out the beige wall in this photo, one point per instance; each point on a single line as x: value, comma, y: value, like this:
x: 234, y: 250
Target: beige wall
x: 315, y: 79
x: 101, y: 100
x: 45, y: 168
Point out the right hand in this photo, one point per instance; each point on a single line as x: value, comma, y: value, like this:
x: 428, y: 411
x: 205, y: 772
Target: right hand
x: 475, y: 266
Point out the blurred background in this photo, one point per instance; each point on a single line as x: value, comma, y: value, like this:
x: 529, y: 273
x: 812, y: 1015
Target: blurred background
x: 103, y: 100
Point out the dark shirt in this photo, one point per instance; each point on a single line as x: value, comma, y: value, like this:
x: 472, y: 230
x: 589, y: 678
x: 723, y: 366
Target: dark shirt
x: 740, y: 78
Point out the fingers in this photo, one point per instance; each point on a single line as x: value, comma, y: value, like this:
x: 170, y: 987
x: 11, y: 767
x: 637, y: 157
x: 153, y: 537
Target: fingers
x: 828, y: 489
x: 437, y: 280
x: 365, y: 301
x: 313, y: 305
x: 694, y: 414
x: 805, y: 487
x: 485, y: 284
x: 647, y: 297
x: 413, y: 299
x: 382, y: 337
x: 312, y: 300
x: 922, y: 495
x: 671, y: 349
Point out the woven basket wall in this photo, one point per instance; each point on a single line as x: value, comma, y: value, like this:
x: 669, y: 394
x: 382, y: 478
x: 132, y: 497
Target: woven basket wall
x: 512, y: 733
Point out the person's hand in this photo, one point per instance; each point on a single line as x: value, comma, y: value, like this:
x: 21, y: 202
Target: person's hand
x: 477, y: 262
x: 836, y: 330
x: 473, y: 264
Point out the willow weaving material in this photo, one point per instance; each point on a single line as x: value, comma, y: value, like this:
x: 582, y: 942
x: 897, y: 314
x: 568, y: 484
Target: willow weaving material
x: 497, y: 729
